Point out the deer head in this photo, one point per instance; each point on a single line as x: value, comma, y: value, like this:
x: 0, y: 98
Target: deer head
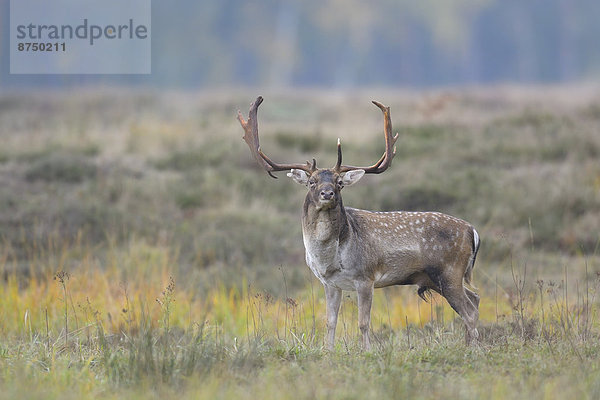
x: 324, y: 185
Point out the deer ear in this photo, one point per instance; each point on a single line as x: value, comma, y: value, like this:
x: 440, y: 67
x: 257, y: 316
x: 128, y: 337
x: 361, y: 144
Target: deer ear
x: 351, y: 177
x: 298, y: 176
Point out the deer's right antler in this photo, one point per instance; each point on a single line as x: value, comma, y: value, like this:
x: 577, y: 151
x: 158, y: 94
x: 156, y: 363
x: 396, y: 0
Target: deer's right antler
x: 390, y: 150
x: 251, y: 138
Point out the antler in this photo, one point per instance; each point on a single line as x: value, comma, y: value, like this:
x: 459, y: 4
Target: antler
x: 251, y: 138
x: 390, y: 150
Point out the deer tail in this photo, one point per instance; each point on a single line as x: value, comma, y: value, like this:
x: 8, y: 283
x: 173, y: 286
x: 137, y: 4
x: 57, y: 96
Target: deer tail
x: 474, y: 250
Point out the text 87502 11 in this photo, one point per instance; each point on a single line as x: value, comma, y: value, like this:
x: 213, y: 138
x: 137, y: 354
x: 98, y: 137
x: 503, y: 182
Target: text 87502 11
x: 33, y: 46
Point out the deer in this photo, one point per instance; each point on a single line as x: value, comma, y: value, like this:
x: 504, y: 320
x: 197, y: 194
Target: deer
x: 350, y: 249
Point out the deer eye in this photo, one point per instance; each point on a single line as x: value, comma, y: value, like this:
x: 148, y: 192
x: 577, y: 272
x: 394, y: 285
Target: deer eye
x: 312, y: 183
x: 340, y: 183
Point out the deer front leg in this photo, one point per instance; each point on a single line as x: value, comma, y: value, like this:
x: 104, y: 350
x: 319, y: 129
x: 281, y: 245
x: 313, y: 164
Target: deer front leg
x: 364, y: 290
x: 333, y: 299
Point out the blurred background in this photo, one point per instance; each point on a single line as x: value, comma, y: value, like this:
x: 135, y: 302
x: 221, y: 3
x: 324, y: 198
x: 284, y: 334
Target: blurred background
x: 348, y: 44
x: 496, y: 103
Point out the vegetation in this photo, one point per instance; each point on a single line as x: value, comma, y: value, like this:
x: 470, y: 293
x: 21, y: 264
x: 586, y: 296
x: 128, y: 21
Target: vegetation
x: 145, y: 255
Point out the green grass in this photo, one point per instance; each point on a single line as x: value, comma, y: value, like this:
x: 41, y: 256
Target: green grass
x: 248, y: 344
x: 198, y: 369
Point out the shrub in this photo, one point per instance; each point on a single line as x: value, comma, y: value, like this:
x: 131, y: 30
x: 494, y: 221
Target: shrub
x: 61, y: 167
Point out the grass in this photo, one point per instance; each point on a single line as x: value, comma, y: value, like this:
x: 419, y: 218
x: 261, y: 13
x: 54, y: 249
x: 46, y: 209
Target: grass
x: 129, y: 328
x: 180, y: 269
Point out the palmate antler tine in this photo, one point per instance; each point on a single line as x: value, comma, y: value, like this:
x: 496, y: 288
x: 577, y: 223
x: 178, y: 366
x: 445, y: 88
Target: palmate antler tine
x: 251, y: 133
x: 386, y: 159
x: 251, y: 139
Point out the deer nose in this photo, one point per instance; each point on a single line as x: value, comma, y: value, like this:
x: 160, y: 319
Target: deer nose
x: 327, y: 194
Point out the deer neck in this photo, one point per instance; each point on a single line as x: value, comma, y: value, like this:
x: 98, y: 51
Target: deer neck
x: 324, y: 231
x: 324, y: 226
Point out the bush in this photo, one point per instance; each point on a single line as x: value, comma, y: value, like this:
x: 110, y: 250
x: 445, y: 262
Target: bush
x: 298, y: 141
x: 419, y: 199
x: 61, y: 167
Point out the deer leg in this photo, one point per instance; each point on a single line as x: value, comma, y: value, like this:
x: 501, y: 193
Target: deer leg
x: 365, y: 299
x: 474, y: 310
x: 465, y: 305
x: 460, y: 302
x: 333, y: 299
x: 474, y: 297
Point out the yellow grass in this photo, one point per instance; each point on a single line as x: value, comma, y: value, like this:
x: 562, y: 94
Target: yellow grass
x: 131, y: 283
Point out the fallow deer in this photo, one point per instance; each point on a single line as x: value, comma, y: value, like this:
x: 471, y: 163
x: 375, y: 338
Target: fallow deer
x: 359, y: 250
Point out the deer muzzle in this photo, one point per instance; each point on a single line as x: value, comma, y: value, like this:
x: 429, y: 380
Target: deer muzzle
x: 327, y: 195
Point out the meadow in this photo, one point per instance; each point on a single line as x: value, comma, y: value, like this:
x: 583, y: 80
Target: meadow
x: 145, y: 254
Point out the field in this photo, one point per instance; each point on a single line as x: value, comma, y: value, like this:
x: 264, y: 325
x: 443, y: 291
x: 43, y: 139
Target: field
x: 145, y: 255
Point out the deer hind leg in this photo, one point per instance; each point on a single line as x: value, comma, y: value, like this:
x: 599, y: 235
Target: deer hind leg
x: 462, y: 300
x: 463, y: 305
x: 474, y: 297
x: 473, y: 309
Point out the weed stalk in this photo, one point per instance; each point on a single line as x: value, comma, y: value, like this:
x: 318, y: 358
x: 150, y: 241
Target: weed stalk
x: 63, y: 277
